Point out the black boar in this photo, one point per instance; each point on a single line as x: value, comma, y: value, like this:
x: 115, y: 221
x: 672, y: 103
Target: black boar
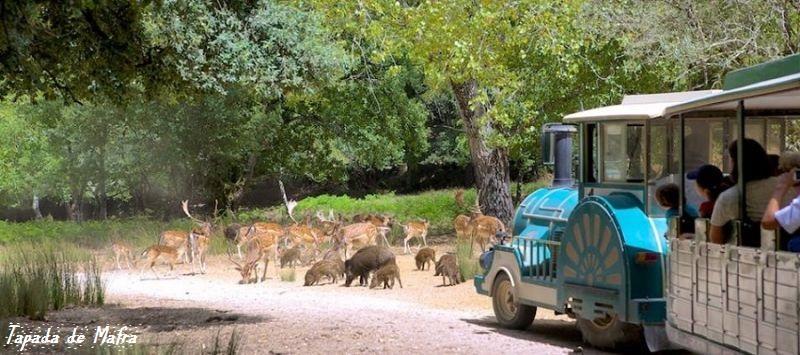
x: 365, y: 261
x: 425, y: 256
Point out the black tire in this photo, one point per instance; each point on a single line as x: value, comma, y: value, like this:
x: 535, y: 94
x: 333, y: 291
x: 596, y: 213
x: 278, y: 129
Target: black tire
x: 509, y: 313
x: 613, y: 334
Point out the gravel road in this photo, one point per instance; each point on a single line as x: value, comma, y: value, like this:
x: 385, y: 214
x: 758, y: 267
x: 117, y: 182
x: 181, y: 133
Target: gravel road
x: 285, y: 317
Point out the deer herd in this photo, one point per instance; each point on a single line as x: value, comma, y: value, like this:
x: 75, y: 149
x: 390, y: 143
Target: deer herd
x: 257, y: 243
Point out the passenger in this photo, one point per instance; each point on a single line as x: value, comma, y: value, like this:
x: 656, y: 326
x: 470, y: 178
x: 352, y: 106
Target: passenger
x: 709, y: 183
x: 788, y: 217
x: 667, y: 196
x: 759, y: 183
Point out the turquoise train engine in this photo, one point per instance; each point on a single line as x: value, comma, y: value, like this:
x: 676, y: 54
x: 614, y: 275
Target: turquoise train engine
x: 594, y: 248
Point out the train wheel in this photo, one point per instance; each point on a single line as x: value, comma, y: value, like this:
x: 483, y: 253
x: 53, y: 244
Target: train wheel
x: 510, y: 313
x: 610, y: 332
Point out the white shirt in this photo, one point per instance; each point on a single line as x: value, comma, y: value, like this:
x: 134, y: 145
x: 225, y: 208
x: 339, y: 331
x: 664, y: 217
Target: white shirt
x: 758, y: 194
x: 789, y: 216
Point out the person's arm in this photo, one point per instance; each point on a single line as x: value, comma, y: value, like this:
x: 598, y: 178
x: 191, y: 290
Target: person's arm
x: 785, y: 181
x: 719, y: 217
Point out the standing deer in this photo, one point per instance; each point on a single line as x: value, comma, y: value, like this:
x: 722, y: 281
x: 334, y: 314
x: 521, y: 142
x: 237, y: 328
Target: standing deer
x: 159, y: 254
x: 461, y: 225
x: 122, y: 250
x: 327, y: 225
x: 483, y: 228
x: 355, y: 236
x: 199, y: 238
x: 415, y: 229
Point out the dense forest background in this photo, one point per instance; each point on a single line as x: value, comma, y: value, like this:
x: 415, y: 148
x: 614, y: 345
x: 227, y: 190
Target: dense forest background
x: 122, y: 108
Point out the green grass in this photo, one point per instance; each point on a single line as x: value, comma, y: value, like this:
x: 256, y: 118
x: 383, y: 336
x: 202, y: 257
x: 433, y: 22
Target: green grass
x: 468, y: 263
x: 288, y: 275
x: 37, y: 278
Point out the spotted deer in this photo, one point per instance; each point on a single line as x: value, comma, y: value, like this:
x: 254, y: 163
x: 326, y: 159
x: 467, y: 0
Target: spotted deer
x: 355, y: 236
x: 415, y: 229
x: 122, y: 250
x: 199, y: 238
x: 262, y: 247
x: 483, y: 228
x: 159, y: 254
x: 461, y: 226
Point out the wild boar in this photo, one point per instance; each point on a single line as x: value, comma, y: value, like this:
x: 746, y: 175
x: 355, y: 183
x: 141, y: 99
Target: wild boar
x: 366, y: 260
x: 425, y: 257
x: 386, y: 276
x: 290, y: 257
x: 322, y: 268
x: 447, y: 266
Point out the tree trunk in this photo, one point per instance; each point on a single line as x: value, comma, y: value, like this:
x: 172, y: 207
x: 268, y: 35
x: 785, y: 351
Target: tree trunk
x: 36, y: 211
x: 492, y: 175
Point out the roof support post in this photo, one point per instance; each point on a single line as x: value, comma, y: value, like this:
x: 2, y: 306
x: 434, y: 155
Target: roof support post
x: 740, y: 184
x: 681, y: 168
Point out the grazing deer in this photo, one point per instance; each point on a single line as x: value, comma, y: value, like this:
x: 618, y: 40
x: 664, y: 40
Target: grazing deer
x: 261, y: 246
x: 461, y: 225
x: 415, y: 229
x: 159, y: 254
x: 356, y: 236
x: 122, y: 250
x: 249, y: 269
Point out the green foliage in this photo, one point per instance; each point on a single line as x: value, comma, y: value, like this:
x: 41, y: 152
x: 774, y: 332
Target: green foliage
x: 697, y: 42
x: 37, y: 278
x: 288, y: 275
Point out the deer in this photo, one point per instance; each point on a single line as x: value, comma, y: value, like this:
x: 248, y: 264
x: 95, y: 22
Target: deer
x: 327, y: 225
x: 355, y: 236
x: 122, y: 250
x: 483, y: 228
x: 199, y: 238
x: 262, y: 246
x: 461, y: 225
x: 159, y: 253
x: 415, y: 229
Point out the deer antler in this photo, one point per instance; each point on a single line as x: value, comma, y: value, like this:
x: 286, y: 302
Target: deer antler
x: 290, y: 205
x: 185, y: 207
x: 230, y: 257
x: 321, y: 217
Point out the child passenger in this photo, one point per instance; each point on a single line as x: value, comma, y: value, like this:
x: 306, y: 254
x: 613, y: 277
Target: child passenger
x: 668, y: 197
x: 709, y: 183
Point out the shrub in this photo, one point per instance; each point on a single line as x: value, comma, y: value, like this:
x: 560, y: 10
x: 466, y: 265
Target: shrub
x: 288, y: 275
x: 468, y: 263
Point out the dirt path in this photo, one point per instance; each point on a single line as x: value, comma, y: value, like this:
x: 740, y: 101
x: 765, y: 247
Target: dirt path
x: 285, y: 317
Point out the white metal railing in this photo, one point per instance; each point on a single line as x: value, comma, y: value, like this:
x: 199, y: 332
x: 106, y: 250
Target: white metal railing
x: 538, y: 257
x: 744, y: 298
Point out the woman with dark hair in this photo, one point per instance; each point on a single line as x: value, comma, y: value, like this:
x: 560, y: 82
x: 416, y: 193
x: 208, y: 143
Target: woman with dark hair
x: 759, y: 184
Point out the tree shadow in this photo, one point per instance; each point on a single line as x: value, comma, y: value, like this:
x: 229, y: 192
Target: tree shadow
x: 153, y: 319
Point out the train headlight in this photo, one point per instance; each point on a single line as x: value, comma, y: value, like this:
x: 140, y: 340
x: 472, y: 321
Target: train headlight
x: 486, y: 259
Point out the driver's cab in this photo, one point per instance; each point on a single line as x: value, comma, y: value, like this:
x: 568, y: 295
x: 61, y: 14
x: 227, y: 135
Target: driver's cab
x: 630, y: 149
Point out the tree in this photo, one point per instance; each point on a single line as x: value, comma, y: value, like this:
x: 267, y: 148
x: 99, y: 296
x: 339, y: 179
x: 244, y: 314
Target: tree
x: 696, y: 42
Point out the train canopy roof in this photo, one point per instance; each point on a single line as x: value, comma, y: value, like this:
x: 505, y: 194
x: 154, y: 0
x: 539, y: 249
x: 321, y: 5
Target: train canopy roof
x: 637, y: 107
x: 779, y: 94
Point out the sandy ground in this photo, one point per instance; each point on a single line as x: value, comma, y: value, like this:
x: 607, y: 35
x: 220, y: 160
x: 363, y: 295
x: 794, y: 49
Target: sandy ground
x: 285, y: 317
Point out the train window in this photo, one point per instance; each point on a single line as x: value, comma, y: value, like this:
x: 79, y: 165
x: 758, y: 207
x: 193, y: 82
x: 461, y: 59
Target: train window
x: 623, y: 154
x: 590, y: 172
